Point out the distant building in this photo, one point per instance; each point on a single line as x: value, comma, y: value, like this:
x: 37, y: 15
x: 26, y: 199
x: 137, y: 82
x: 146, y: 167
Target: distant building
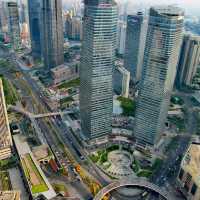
x: 121, y: 37
x: 189, y: 60
x: 13, y: 25
x: 189, y: 174
x: 64, y: 73
x: 96, y: 69
x: 163, y: 43
x: 135, y: 44
x: 52, y: 33
x: 121, y: 81
x: 34, y: 8
x: 5, y: 135
x: 73, y: 27
x: 3, y: 18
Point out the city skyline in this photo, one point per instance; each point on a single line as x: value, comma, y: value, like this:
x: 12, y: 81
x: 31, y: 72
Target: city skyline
x: 99, y: 100
x: 191, y: 6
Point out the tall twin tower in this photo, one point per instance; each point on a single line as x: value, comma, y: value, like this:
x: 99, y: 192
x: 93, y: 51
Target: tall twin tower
x: 96, y: 70
x: 163, y: 41
x: 46, y: 28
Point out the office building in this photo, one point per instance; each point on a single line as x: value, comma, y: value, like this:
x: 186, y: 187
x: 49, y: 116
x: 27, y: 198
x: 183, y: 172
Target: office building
x: 34, y: 8
x: 97, y: 64
x: 63, y: 73
x: 189, y: 174
x: 52, y: 33
x: 3, y: 18
x: 163, y: 43
x: 5, y: 135
x: 73, y: 27
x: 189, y: 60
x: 121, y: 81
x: 13, y: 25
x: 121, y: 37
x: 135, y: 43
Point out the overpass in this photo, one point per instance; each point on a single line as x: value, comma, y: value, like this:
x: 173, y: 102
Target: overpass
x: 36, y: 116
x: 136, y: 182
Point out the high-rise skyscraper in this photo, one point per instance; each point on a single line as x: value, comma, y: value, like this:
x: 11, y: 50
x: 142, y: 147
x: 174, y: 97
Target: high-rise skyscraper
x: 189, y: 60
x: 135, y: 43
x: 163, y: 43
x: 97, y: 64
x: 5, y: 135
x: 13, y: 25
x: 3, y: 17
x: 34, y: 8
x: 73, y: 27
x: 121, y: 36
x: 52, y: 33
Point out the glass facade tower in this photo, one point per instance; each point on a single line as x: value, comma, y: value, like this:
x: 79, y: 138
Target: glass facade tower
x: 34, y: 9
x: 52, y: 33
x: 13, y: 25
x: 135, y: 43
x: 97, y: 64
x: 163, y: 43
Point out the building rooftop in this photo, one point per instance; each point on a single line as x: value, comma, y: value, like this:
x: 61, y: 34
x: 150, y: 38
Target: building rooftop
x: 37, y: 181
x: 170, y: 10
x: 191, y: 162
x: 9, y: 195
x: 59, y: 68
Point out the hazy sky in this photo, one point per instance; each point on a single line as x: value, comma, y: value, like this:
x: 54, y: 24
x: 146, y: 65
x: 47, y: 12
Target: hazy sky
x: 192, y: 7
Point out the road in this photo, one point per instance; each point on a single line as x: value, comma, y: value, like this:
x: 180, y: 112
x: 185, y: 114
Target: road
x: 39, y: 106
x: 169, y: 170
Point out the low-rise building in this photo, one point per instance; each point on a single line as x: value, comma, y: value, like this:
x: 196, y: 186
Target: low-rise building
x: 189, y: 175
x: 64, y: 73
x: 42, y: 153
x: 33, y: 175
x: 10, y: 195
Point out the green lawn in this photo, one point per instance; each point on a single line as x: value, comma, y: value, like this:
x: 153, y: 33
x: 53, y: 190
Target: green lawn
x: 144, y: 173
x: 177, y: 100
x: 5, y: 181
x: 70, y: 84
x: 42, y: 187
x: 9, y: 91
x: 8, y: 163
x: 128, y: 106
x: 179, y: 122
x: 66, y: 100
x: 59, y: 188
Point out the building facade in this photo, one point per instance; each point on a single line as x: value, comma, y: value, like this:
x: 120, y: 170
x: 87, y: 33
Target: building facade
x: 135, y: 43
x: 121, y: 81
x: 97, y: 64
x: 73, y: 27
x: 121, y: 37
x: 163, y: 43
x: 189, y: 60
x: 3, y: 18
x: 13, y: 25
x: 64, y: 73
x: 52, y: 33
x: 5, y: 135
x: 34, y: 8
x: 189, y: 174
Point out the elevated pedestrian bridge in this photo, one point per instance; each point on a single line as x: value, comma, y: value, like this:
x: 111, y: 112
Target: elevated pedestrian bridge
x: 136, y: 182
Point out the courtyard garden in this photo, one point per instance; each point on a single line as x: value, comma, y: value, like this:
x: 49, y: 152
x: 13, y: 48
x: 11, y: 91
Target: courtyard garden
x: 119, y: 162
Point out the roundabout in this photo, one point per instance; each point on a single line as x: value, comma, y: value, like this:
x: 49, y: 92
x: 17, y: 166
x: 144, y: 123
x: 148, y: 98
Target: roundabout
x: 136, y: 182
x: 120, y: 164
